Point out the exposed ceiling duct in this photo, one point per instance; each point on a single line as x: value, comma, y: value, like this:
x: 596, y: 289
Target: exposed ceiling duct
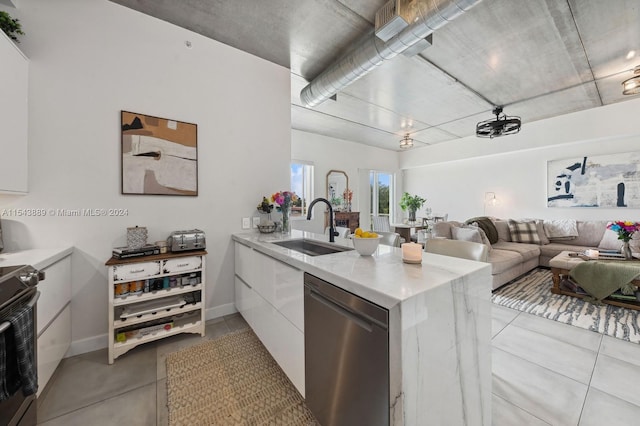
x: 425, y: 17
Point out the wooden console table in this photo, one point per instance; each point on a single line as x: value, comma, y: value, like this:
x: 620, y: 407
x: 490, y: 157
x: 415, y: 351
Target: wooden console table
x: 562, y: 264
x: 349, y: 220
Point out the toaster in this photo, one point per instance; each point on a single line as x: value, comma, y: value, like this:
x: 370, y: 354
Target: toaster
x: 186, y: 240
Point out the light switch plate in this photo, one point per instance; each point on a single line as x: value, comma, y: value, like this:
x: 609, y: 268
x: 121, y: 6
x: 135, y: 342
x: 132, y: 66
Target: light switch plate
x: 256, y: 221
x: 246, y: 223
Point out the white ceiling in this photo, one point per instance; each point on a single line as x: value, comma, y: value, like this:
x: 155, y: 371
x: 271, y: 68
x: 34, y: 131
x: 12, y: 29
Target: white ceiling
x: 537, y: 58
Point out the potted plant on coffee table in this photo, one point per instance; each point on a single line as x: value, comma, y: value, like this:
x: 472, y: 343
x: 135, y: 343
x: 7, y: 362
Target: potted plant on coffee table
x: 411, y: 203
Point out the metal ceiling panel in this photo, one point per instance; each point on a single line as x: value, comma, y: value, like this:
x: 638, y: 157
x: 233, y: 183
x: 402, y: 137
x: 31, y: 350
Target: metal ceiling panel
x: 355, y: 110
x: 562, y: 102
x: 433, y: 135
x: 512, y: 50
x: 416, y: 89
x: 309, y: 121
x: 465, y: 126
x: 610, y: 88
x: 609, y: 30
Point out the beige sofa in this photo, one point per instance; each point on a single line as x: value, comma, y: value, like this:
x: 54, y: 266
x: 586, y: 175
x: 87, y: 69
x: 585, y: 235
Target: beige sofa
x: 510, y: 259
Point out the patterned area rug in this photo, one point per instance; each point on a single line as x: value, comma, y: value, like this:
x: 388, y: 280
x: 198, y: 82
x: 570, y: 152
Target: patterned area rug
x: 231, y: 380
x: 532, y: 294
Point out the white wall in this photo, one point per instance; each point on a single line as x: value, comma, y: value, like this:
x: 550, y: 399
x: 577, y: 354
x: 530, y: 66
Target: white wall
x: 328, y: 153
x: 518, y: 174
x: 89, y: 60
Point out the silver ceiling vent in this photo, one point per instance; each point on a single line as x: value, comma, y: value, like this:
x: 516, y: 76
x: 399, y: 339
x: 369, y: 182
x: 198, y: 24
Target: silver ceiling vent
x: 392, y: 18
x: 423, y: 18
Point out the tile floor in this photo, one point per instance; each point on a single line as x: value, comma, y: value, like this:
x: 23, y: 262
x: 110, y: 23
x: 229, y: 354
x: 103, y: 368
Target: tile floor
x: 544, y: 373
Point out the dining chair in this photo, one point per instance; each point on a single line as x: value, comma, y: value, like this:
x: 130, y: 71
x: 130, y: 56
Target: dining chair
x: 381, y: 224
x: 457, y: 248
x: 440, y: 217
x: 389, y: 238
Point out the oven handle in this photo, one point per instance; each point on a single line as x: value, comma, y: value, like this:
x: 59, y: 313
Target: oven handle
x: 5, y: 325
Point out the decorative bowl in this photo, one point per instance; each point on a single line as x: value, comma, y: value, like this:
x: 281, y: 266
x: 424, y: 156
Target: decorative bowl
x: 267, y: 229
x: 365, y: 246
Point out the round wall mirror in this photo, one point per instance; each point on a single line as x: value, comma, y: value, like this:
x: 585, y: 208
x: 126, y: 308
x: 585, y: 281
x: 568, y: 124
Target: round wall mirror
x: 337, y: 185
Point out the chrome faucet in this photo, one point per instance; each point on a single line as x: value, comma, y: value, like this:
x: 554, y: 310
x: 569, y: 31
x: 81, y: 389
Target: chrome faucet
x: 332, y: 231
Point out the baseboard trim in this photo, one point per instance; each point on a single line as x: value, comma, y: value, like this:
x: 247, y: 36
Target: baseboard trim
x: 220, y: 311
x: 95, y: 343
x: 88, y: 344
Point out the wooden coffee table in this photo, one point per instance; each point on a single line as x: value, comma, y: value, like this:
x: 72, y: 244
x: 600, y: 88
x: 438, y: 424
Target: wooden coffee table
x: 563, y: 263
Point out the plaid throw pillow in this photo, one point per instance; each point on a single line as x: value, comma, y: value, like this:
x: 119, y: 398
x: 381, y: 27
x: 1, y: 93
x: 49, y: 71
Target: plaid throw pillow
x: 524, y: 232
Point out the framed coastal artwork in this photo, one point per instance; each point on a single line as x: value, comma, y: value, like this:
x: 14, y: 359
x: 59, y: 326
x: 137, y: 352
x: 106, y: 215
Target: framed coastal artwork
x: 159, y: 155
x: 608, y: 181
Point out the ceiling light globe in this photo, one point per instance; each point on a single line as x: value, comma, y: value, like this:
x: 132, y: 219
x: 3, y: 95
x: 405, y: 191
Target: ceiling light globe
x: 631, y: 86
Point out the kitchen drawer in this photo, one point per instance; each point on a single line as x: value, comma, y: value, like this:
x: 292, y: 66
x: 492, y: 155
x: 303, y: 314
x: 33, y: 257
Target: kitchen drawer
x: 245, y: 299
x: 135, y: 271
x: 283, y: 341
x: 282, y: 286
x: 52, y: 346
x: 181, y: 264
x: 55, y: 291
x: 245, y: 263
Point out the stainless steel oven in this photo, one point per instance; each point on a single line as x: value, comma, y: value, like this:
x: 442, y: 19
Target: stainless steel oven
x: 17, y: 291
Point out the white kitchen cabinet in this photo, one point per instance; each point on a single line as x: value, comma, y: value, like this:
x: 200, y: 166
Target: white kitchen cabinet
x: 14, y: 83
x: 53, y: 318
x: 269, y: 295
x: 154, y: 297
x: 53, y: 344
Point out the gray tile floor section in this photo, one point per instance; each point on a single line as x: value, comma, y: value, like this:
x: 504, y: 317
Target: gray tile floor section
x: 544, y: 373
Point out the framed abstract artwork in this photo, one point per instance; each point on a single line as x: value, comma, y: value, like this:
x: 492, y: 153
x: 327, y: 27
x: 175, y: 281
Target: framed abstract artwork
x: 159, y: 155
x: 608, y: 181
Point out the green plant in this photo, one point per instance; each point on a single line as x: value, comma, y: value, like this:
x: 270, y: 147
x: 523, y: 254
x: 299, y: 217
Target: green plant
x: 411, y: 202
x: 10, y: 26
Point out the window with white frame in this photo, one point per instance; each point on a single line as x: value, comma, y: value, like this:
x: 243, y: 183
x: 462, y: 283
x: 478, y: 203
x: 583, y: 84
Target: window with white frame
x: 302, y: 185
x: 382, y: 195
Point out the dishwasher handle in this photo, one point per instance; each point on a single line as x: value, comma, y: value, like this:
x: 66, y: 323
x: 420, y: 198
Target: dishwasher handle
x: 352, y: 316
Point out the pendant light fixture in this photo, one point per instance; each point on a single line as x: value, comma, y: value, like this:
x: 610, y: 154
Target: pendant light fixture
x: 631, y: 86
x: 406, y: 142
x: 503, y: 125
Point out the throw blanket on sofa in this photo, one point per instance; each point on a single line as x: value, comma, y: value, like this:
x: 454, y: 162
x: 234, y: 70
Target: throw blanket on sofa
x: 600, y: 279
x: 561, y: 228
x: 487, y: 226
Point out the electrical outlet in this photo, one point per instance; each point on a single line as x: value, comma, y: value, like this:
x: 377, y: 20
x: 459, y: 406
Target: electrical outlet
x: 256, y: 221
x: 246, y: 223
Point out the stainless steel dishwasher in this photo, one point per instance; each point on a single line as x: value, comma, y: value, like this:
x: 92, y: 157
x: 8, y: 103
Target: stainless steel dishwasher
x: 346, y: 347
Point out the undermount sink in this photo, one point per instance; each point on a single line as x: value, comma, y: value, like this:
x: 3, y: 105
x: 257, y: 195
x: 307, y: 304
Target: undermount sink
x: 312, y: 247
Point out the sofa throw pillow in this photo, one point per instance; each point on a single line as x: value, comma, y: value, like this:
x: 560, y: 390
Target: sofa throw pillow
x: 466, y: 234
x: 487, y: 227
x: 483, y: 236
x: 561, y: 229
x: 503, y: 230
x: 610, y: 241
x: 541, y: 234
x: 524, y: 232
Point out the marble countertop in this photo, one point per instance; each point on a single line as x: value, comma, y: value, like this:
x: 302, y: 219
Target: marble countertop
x: 382, y: 278
x: 38, y: 258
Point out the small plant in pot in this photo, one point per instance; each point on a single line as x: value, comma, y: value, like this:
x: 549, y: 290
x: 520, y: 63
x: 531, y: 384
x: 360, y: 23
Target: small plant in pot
x: 411, y: 203
x: 10, y: 26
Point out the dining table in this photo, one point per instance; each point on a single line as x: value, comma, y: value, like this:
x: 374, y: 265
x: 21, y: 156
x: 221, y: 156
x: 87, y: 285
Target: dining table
x: 404, y: 229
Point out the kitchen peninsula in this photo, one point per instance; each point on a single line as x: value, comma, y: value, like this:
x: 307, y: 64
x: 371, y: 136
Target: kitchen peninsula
x: 438, y: 320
